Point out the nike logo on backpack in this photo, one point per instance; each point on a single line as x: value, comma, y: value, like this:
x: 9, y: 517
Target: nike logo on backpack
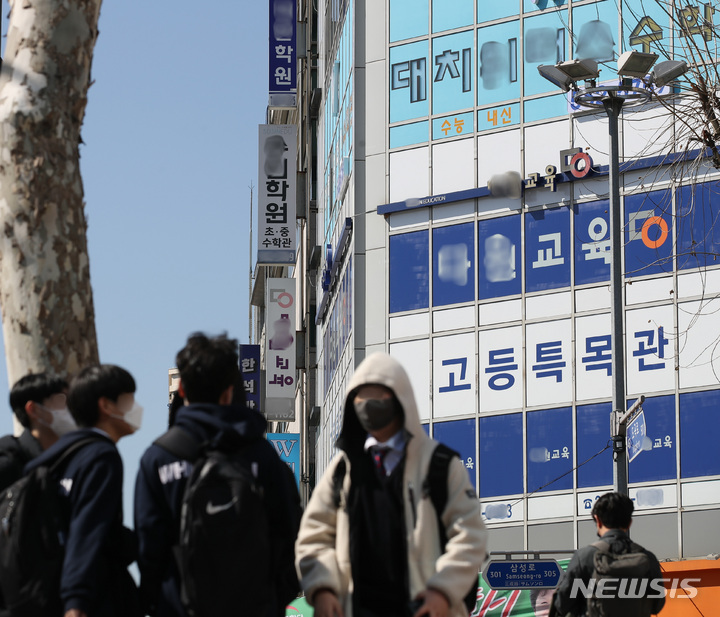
x: 213, y: 509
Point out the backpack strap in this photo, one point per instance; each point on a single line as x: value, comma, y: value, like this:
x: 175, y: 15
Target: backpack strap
x: 436, y: 483
x: 55, y: 463
x: 181, y: 443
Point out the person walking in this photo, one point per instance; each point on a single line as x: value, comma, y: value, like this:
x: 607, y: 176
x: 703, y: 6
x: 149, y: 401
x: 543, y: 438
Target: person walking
x: 373, y: 541
x: 592, y: 566
x: 95, y: 581
x: 209, y: 369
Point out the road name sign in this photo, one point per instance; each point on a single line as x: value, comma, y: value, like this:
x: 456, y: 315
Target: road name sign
x: 523, y: 574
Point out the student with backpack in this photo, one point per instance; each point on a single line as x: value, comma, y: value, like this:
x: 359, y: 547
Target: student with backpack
x: 376, y: 539
x: 611, y: 577
x: 87, y: 472
x: 216, y: 509
x: 39, y: 402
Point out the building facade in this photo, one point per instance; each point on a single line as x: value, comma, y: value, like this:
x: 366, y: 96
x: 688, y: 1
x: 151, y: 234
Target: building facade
x: 498, y: 303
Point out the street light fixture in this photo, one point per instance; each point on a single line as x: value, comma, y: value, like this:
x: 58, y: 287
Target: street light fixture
x: 635, y: 63
x: 612, y: 98
x: 667, y: 71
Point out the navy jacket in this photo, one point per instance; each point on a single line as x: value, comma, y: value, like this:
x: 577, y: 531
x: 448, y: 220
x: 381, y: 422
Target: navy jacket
x: 15, y: 453
x: 98, y: 548
x: 159, y: 490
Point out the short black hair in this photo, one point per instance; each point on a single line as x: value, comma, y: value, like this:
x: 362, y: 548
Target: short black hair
x: 34, y: 387
x: 208, y: 366
x: 91, y: 384
x: 614, y: 510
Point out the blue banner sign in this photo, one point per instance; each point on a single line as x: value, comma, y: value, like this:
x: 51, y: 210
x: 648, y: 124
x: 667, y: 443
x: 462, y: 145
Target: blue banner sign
x: 523, y: 574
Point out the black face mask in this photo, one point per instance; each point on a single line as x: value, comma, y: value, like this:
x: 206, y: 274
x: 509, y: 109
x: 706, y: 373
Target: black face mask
x: 376, y: 414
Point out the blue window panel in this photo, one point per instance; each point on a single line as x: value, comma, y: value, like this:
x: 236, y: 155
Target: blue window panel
x: 646, y: 27
x: 409, y: 134
x: 426, y: 428
x: 460, y: 436
x: 452, y: 126
x: 545, y: 108
x: 549, y: 450
x: 501, y: 455
x: 499, y: 258
x: 453, y: 264
x: 450, y: 14
x: 498, y: 63
x: 595, y: 30
x: 546, y: 42
x: 489, y: 10
x: 593, y: 433
x: 593, y: 250
x: 648, y: 233
x: 410, y: 66
x: 698, y: 227
x: 409, y: 271
x: 408, y: 19
x: 453, y: 72
x: 658, y: 463
x: 530, y: 6
x: 699, y: 434
x: 547, y: 246
x: 498, y: 117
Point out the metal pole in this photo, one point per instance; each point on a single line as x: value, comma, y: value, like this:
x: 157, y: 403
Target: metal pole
x: 250, y: 271
x: 613, y: 106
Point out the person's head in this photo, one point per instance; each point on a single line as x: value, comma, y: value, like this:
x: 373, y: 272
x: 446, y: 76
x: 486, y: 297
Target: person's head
x: 540, y: 599
x: 378, y: 411
x: 208, y: 367
x: 39, y: 402
x: 613, y: 511
x: 103, y: 396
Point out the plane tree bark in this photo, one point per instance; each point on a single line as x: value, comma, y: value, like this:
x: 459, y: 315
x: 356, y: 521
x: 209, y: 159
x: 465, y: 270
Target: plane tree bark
x: 45, y: 294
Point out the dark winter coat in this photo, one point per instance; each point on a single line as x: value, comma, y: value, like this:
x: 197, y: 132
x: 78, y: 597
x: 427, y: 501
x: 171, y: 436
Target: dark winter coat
x: 98, y: 548
x: 159, y: 490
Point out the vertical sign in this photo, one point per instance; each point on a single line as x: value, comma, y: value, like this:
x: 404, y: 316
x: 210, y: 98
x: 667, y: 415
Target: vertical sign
x: 283, y: 64
x: 280, y: 350
x: 287, y: 445
x: 250, y: 370
x: 276, y: 193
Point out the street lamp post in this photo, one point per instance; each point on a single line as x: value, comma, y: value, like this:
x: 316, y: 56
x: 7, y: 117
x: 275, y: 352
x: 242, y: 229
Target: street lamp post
x: 612, y: 98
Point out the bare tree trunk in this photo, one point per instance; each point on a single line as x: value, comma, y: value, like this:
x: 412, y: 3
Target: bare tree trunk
x: 45, y: 294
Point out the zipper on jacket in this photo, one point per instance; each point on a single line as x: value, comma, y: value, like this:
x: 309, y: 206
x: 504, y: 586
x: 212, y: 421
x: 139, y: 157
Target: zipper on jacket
x: 412, y: 503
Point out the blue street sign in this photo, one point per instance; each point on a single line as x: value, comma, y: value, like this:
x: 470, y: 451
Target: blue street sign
x: 523, y: 574
x: 636, y: 435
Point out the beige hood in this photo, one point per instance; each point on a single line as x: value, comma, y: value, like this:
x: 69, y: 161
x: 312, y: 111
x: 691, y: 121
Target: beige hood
x: 384, y: 370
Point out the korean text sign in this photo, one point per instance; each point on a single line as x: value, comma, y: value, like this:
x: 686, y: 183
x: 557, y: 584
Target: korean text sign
x: 280, y: 349
x: 282, y: 64
x: 276, y: 193
x: 250, y: 370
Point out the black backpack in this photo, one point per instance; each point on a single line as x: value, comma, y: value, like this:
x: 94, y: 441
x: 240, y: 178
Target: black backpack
x: 435, y: 485
x: 635, y: 569
x: 34, y: 519
x: 224, y: 552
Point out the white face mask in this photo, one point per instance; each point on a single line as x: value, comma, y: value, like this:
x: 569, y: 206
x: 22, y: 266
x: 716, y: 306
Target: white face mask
x: 62, y: 421
x: 132, y: 417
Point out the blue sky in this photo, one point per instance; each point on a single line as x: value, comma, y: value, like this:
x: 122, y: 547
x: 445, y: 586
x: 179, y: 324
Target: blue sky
x: 170, y: 153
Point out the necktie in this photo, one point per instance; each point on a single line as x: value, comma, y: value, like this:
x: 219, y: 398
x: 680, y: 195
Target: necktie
x: 379, y: 454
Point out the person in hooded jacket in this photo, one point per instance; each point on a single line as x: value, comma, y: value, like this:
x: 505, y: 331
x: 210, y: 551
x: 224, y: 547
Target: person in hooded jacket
x: 214, y: 402
x: 376, y: 551
x: 95, y: 581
